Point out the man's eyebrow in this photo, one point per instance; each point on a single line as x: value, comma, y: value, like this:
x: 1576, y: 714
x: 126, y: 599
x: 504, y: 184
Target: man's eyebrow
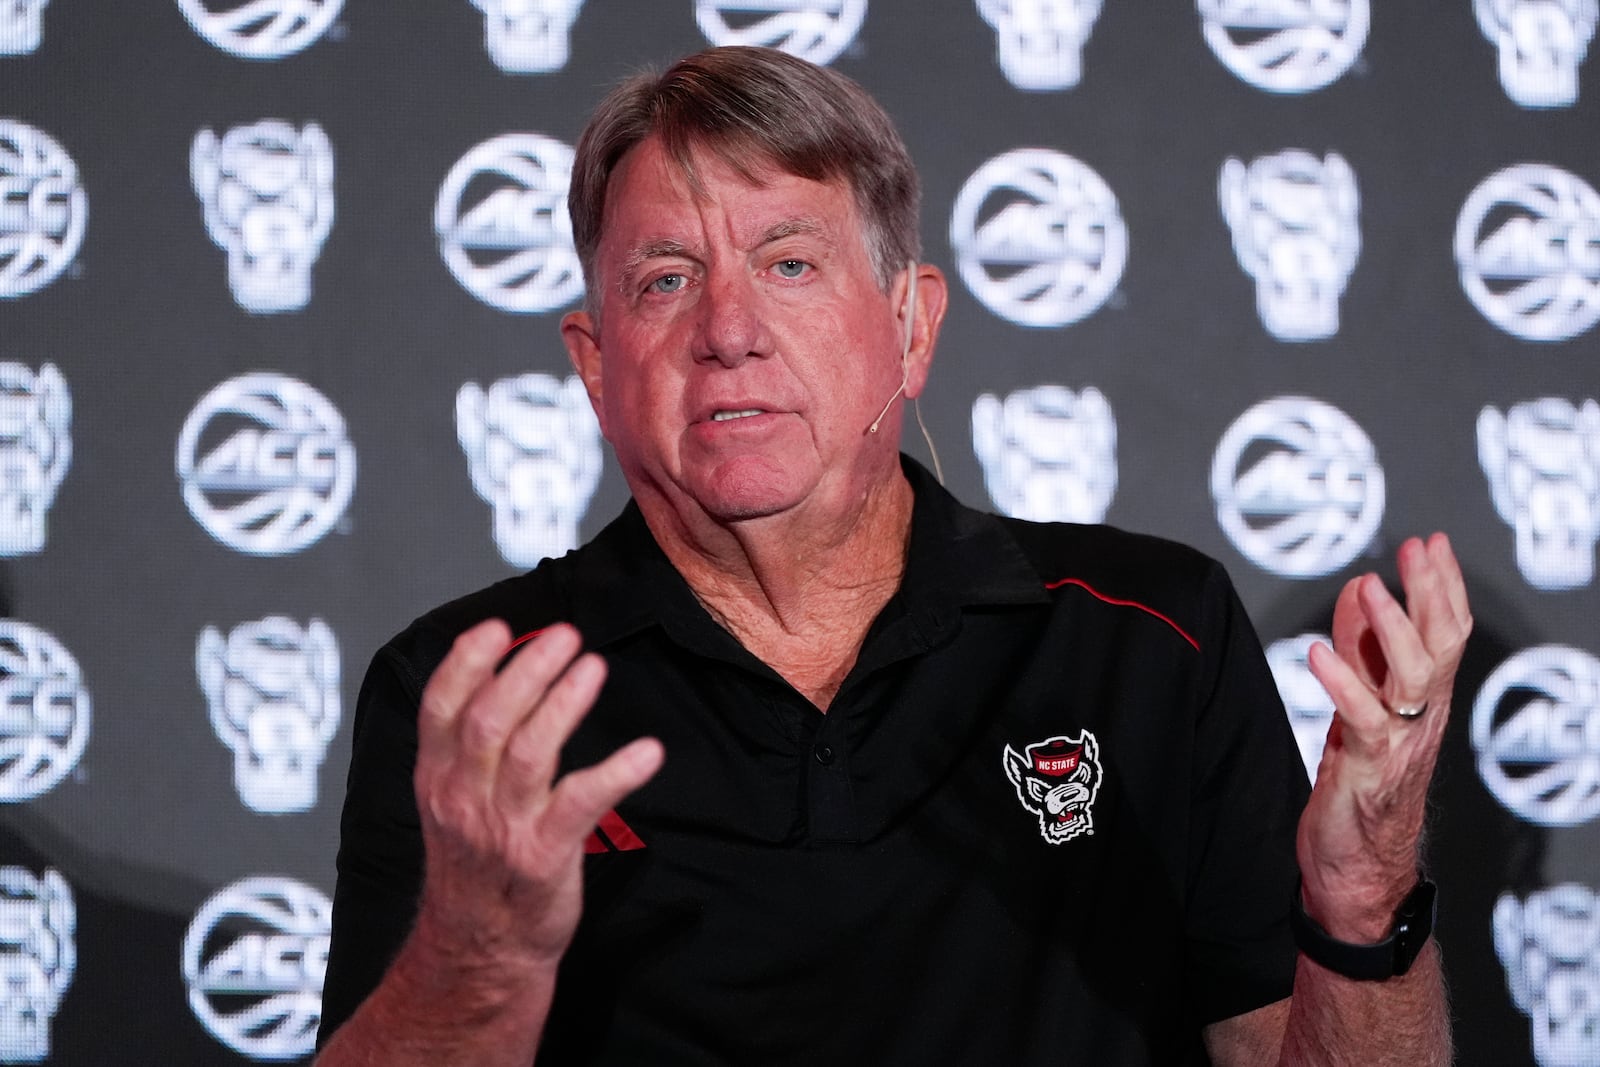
x: 654, y: 249
x: 799, y: 226
x: 639, y: 255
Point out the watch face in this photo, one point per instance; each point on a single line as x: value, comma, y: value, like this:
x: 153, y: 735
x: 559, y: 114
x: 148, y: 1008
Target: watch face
x: 1414, y: 924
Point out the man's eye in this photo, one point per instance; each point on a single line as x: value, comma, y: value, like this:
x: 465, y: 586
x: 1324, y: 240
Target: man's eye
x: 668, y: 283
x: 791, y: 268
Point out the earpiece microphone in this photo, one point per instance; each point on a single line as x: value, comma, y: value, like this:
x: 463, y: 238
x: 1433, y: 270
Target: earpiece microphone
x: 905, y: 369
x: 905, y: 345
x: 874, y: 427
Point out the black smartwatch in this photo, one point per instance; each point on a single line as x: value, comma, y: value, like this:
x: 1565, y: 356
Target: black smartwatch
x: 1413, y: 925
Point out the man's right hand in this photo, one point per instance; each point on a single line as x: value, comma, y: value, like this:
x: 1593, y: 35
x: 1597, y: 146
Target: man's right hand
x: 503, y: 839
x: 503, y: 851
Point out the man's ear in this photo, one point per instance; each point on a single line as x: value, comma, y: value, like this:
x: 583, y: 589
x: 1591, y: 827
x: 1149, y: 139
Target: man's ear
x: 579, y: 332
x: 933, y: 295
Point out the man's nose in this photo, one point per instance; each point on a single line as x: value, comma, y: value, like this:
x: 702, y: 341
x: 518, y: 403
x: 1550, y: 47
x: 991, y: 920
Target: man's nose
x: 731, y: 327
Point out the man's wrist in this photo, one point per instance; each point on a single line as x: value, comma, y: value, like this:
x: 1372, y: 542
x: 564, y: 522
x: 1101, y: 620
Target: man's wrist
x: 1360, y: 911
x: 434, y: 1008
x: 435, y: 962
x: 1376, y: 959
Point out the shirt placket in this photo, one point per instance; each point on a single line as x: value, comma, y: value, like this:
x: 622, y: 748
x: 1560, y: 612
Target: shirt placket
x: 831, y: 812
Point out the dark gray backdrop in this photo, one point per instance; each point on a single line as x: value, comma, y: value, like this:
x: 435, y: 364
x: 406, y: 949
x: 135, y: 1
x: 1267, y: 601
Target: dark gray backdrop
x: 148, y: 825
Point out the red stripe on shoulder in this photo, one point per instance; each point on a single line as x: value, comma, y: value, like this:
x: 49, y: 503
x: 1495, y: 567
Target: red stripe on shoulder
x: 1147, y: 609
x: 529, y: 636
x: 505, y: 657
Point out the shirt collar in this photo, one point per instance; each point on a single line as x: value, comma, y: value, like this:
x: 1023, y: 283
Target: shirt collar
x: 959, y: 556
x: 623, y: 583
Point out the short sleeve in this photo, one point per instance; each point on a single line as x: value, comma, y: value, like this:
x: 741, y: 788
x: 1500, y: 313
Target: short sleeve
x: 380, y: 841
x: 1249, y: 788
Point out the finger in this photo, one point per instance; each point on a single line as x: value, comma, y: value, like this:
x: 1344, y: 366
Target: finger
x: 501, y: 706
x: 1363, y: 720
x: 580, y: 798
x: 532, y: 751
x: 464, y: 669
x: 1352, y: 634
x: 1427, y: 602
x: 1455, y: 583
x: 1407, y: 663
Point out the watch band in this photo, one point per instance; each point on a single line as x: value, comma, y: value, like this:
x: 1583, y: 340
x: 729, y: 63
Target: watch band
x: 1413, y: 925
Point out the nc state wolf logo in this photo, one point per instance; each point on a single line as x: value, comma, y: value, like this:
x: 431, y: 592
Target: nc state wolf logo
x: 1057, y: 780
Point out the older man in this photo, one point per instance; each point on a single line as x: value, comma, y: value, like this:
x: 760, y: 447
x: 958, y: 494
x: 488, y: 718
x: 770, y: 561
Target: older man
x: 849, y: 772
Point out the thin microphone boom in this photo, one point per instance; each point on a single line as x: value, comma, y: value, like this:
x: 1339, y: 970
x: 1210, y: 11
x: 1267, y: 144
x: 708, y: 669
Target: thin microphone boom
x: 905, y: 370
x: 905, y: 344
x: 874, y: 427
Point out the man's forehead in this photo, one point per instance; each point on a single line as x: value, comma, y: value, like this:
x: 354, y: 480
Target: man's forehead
x: 655, y: 201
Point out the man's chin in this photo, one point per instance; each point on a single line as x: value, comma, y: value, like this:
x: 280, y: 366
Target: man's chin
x: 744, y: 492
x: 746, y: 507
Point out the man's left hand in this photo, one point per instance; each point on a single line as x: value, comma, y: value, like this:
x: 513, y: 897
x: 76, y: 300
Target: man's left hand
x: 1358, y: 837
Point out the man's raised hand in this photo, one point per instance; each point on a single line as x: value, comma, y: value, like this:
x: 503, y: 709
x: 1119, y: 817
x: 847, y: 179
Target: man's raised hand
x: 503, y: 837
x: 1359, y: 834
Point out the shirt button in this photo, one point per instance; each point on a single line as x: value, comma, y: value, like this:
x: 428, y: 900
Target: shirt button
x: 824, y: 754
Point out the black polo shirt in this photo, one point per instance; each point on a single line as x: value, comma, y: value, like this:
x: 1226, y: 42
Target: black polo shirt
x: 1049, y: 817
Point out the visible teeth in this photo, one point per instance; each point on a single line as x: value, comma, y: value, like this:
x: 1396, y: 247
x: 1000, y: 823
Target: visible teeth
x: 724, y: 416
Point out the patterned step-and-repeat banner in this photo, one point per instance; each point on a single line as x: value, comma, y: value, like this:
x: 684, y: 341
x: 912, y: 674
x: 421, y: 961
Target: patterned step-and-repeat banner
x: 279, y: 370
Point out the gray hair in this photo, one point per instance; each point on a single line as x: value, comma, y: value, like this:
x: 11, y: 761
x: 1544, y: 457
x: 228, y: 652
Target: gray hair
x: 754, y: 107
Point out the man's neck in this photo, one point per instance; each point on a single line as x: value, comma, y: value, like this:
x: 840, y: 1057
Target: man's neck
x: 799, y: 589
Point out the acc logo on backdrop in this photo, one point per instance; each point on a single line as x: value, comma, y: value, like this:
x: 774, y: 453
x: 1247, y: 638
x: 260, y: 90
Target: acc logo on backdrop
x: 21, y: 27
x: 1542, y: 459
x: 1048, y: 454
x: 502, y: 223
x: 35, y: 451
x: 1536, y: 730
x: 44, y: 712
x: 533, y: 452
x: 260, y: 29
x: 265, y: 464
x: 528, y: 36
x: 1057, y: 779
x: 1549, y: 946
x: 1294, y: 227
x: 268, y: 197
x: 1309, y: 707
x: 254, y: 958
x: 1298, y: 487
x: 45, y: 209
x: 38, y: 956
x: 1038, y: 237
x: 1540, y: 44
x: 273, y: 692
x: 1040, y: 42
x: 1286, y: 46
x: 1528, y: 245
x: 815, y: 30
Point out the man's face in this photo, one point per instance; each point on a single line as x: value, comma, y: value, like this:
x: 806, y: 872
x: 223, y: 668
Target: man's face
x: 743, y: 345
